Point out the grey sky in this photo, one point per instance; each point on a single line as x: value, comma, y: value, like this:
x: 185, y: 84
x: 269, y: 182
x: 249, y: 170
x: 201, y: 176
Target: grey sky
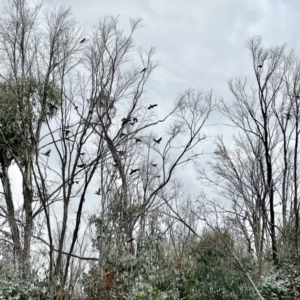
x: 199, y: 43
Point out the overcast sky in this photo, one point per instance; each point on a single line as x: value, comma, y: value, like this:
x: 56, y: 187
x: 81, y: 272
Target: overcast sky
x: 200, y: 44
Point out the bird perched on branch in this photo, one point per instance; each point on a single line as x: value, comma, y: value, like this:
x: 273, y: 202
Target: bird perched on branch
x: 152, y: 106
x: 82, y: 41
x: 288, y: 116
x: 133, y: 171
x: 98, y: 192
x: 67, y: 132
x: 52, y: 106
x: 135, y: 120
x: 260, y: 66
x: 157, y: 141
x: 144, y: 70
x: 81, y: 166
x: 137, y: 140
x: 47, y: 153
x: 125, y: 120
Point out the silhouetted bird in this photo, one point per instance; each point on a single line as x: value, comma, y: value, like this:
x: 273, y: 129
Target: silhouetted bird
x: 154, y: 165
x: 152, y: 106
x: 135, y: 119
x: 259, y: 66
x: 67, y: 132
x: 98, y: 192
x: 77, y: 182
x: 297, y: 97
x: 76, y: 107
x: 82, y: 153
x: 123, y: 134
x: 47, y: 153
x: 138, y: 140
x: 157, y: 141
x: 288, y: 116
x: 81, y: 166
x: 143, y: 70
x: 52, y: 106
x: 133, y: 171
x: 125, y: 120
x: 131, y: 123
x: 82, y: 41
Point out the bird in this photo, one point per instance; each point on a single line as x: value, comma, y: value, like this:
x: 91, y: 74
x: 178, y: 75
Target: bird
x: 133, y: 171
x: 82, y: 153
x: 135, y: 120
x: 157, y: 141
x: 297, y: 97
x: 122, y: 153
x: 67, y: 132
x: 125, y: 120
x: 154, y: 165
x: 82, y: 41
x: 98, y: 192
x: 52, y: 106
x: 123, y: 134
x: 131, y: 123
x: 138, y: 140
x: 288, y: 116
x: 259, y: 66
x: 152, y: 106
x: 47, y: 153
x: 143, y: 70
x: 81, y: 166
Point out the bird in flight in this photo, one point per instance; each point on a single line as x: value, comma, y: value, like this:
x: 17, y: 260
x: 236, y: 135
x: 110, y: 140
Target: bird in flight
x: 157, y: 141
x: 82, y: 41
x: 133, y: 171
x: 98, y: 192
x: 137, y: 140
x: 154, y: 165
x: 47, y: 153
x: 152, y: 106
x: 143, y: 70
